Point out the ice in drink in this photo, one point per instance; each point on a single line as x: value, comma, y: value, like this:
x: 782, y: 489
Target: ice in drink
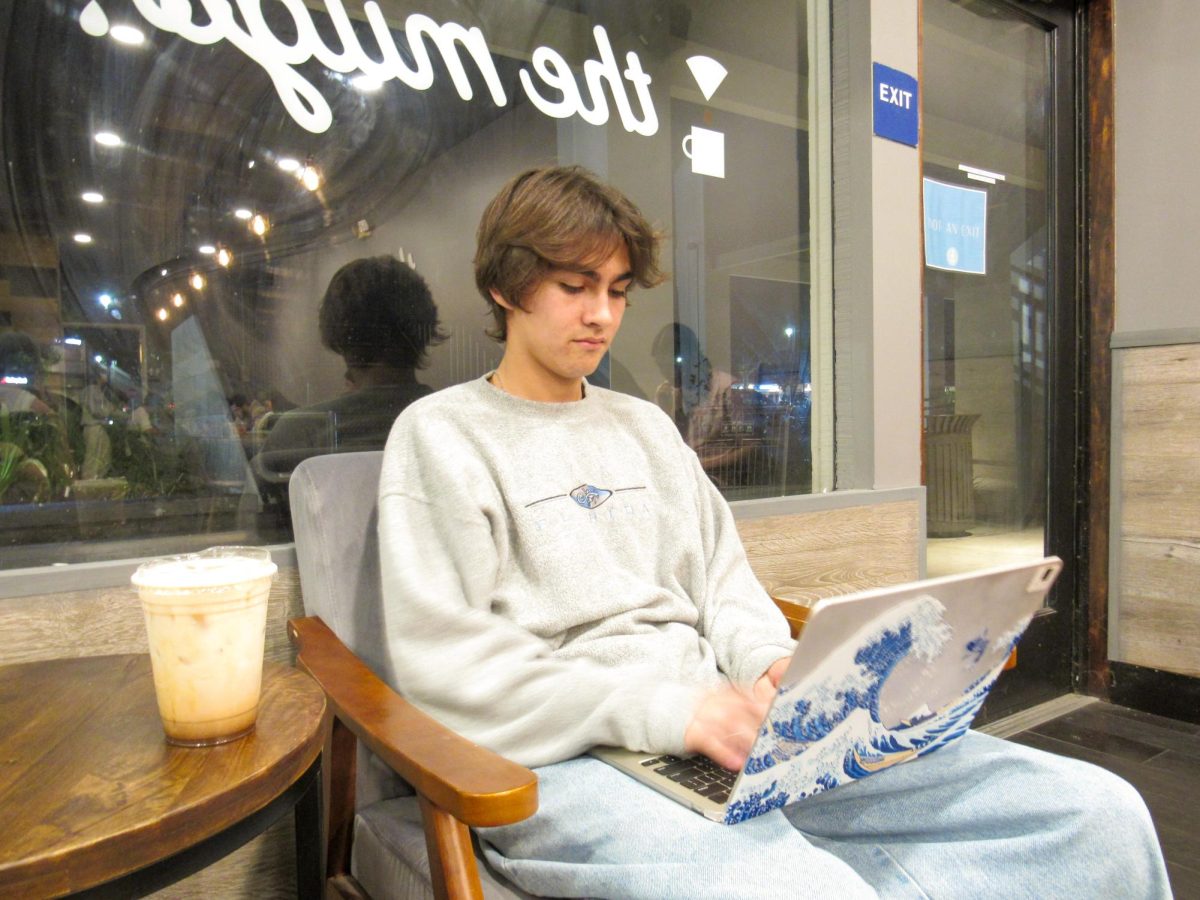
x: 206, y: 616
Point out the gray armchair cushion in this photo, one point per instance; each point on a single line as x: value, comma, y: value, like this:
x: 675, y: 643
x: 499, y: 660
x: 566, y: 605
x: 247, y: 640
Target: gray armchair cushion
x: 334, y: 502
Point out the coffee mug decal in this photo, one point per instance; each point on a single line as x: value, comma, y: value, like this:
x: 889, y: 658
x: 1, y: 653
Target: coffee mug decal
x: 706, y: 150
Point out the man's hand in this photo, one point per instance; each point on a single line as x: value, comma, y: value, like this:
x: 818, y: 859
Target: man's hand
x: 724, y: 725
x: 768, y: 683
x: 726, y: 721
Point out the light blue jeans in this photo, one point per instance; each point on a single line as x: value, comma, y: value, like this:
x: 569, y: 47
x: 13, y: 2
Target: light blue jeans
x: 981, y: 818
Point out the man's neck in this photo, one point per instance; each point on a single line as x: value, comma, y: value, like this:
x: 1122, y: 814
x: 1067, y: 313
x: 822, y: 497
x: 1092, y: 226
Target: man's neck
x: 542, y: 390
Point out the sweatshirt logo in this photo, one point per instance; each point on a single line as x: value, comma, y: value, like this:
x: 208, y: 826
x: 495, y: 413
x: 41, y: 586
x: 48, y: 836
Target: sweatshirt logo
x: 589, y: 496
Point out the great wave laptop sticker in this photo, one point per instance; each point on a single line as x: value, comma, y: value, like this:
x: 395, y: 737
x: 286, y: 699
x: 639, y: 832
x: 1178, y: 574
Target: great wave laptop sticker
x: 878, y: 678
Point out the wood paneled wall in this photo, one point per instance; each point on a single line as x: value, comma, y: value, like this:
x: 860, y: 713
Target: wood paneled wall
x: 1156, y: 558
x: 835, y: 551
x: 812, y: 555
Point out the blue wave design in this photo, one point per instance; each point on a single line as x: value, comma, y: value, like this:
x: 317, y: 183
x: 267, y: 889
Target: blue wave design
x: 756, y: 764
x: 976, y: 647
x: 756, y: 804
x: 838, y: 717
x: 877, y: 659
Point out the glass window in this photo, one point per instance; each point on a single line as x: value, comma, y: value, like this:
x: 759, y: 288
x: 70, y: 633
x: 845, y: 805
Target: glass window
x: 184, y: 180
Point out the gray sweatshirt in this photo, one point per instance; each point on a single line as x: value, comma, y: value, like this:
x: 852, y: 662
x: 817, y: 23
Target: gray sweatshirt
x: 561, y: 575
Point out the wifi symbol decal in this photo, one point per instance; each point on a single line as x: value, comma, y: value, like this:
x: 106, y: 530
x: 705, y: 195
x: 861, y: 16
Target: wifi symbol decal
x: 708, y: 74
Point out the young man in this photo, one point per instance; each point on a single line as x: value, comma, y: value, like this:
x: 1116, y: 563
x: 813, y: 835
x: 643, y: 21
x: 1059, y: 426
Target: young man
x: 559, y: 572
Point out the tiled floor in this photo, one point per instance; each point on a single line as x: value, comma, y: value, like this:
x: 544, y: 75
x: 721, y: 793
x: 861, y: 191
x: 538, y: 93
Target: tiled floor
x: 1159, y: 756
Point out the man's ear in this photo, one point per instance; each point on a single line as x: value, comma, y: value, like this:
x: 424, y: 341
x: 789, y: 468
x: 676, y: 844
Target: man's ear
x: 499, y: 299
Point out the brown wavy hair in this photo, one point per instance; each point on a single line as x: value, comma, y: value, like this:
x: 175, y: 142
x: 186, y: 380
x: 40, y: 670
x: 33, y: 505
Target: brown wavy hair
x: 557, y: 217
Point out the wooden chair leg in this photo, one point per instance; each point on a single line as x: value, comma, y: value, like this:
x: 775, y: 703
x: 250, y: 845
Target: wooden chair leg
x: 342, y: 767
x: 451, y: 855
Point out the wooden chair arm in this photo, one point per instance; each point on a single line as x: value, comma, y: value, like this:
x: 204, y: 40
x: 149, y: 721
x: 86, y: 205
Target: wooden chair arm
x: 472, y: 784
x: 795, y: 613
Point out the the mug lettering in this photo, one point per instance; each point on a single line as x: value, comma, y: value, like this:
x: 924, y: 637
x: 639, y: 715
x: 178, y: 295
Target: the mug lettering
x: 305, y: 103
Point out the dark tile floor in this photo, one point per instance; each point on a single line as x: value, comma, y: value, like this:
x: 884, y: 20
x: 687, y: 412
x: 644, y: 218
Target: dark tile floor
x: 1159, y: 756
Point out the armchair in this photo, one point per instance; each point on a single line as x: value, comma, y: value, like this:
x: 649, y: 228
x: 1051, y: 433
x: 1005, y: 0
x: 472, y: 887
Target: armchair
x: 376, y: 843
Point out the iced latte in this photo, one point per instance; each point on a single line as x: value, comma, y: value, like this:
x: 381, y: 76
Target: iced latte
x: 206, y: 615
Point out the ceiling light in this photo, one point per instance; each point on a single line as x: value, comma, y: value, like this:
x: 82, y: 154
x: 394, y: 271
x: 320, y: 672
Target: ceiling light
x: 197, y: 281
x: 162, y: 314
x: 207, y: 249
x: 177, y: 299
x: 224, y: 257
x: 127, y: 34
x: 73, y: 341
x: 92, y: 196
x: 288, y: 164
x: 366, y: 83
x: 83, y: 238
x: 108, y: 139
x: 310, y: 178
x: 105, y: 300
x: 259, y: 225
x: 99, y: 359
x: 162, y: 272
x: 243, y: 214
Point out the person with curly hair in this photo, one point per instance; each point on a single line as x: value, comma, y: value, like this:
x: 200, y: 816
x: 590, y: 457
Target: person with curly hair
x: 377, y: 314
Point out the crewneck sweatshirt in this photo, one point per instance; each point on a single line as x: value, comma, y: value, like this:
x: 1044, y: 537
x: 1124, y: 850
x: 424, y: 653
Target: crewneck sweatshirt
x: 561, y: 575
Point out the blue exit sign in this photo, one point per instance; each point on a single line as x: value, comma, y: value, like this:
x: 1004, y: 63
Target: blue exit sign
x: 895, y: 105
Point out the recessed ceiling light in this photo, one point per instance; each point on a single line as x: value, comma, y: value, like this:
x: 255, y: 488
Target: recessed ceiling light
x: 162, y: 272
x: 197, y: 281
x: 288, y: 164
x: 99, y: 359
x: 366, y: 83
x: 105, y: 300
x: 162, y: 314
x: 224, y: 257
x: 310, y: 178
x: 127, y: 34
x: 207, y: 249
x: 108, y: 139
x: 83, y: 238
x: 243, y: 213
x: 92, y: 196
x: 177, y: 299
x: 259, y: 225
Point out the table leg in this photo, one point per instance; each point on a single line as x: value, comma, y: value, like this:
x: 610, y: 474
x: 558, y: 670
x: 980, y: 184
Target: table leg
x: 309, y: 881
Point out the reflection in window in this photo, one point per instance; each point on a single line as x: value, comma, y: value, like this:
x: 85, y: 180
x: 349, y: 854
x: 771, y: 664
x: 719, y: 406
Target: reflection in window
x: 179, y: 206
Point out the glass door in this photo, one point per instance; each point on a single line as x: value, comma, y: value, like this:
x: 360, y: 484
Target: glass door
x: 1000, y: 303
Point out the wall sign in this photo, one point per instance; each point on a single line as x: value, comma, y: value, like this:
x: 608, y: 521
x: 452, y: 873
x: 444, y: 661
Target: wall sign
x: 895, y: 105
x: 955, y: 227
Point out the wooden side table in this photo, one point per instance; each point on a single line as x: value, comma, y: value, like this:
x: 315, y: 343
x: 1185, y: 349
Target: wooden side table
x: 94, y: 800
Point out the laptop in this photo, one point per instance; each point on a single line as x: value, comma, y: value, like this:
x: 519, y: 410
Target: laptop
x: 878, y: 678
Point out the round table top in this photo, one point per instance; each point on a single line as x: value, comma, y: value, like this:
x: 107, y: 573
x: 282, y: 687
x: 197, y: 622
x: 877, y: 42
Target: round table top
x: 90, y: 790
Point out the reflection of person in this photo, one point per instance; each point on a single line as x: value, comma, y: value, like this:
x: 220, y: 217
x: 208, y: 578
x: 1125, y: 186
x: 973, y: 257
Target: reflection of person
x: 711, y: 416
x: 558, y: 572
x: 96, y: 408
x: 149, y: 416
x: 379, y: 316
x: 33, y: 452
x: 20, y: 372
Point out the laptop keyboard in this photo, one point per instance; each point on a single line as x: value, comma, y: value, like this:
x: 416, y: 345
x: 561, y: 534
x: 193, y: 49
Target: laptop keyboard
x: 698, y: 774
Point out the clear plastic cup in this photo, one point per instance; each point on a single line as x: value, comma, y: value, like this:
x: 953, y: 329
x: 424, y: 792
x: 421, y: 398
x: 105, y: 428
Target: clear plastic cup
x: 206, y: 617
